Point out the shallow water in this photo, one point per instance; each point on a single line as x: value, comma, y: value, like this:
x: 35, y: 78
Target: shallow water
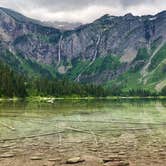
x: 94, y: 115
x: 136, y: 127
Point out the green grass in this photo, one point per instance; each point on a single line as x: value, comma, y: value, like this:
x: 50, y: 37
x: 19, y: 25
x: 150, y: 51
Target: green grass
x: 158, y: 74
x: 77, y: 68
x: 26, y: 66
x: 95, y: 67
x: 127, y: 81
x: 103, y: 63
x: 99, y: 65
x: 155, y: 44
x: 142, y: 54
x: 158, y: 58
x: 43, y: 38
x: 10, y: 59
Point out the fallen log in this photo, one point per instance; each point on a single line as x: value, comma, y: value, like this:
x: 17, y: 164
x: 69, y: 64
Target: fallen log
x: 7, y: 126
x: 82, y: 131
x: 32, y: 136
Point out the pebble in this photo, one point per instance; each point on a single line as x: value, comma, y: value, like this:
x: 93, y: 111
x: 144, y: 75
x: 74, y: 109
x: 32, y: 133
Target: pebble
x: 161, y: 150
x: 49, y: 164
x: 56, y: 159
x: 61, y: 150
x: 115, y: 151
x: 7, y: 155
x: 162, y: 154
x: 120, y: 163
x: 94, y: 150
x: 92, y: 159
x: 124, y: 163
x: 112, y: 158
x: 121, y: 153
x: 74, y: 160
x: 36, y: 158
x: 6, y: 146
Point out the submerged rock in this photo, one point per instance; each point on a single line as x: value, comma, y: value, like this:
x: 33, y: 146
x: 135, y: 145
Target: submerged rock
x: 119, y: 163
x: 7, y: 155
x: 93, y: 159
x: 36, y: 158
x: 55, y: 159
x: 74, y: 160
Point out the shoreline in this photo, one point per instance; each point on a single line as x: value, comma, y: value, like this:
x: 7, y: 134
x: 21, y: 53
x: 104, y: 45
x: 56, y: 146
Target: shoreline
x: 52, y: 99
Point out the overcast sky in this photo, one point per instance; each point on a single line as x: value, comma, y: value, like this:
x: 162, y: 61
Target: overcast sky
x: 82, y: 10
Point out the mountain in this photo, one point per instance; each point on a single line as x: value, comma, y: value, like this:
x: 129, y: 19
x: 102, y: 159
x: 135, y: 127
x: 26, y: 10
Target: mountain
x: 62, y: 25
x: 125, y: 51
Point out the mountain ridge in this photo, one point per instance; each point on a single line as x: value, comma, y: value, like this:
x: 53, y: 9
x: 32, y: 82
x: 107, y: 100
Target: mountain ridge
x: 101, y: 52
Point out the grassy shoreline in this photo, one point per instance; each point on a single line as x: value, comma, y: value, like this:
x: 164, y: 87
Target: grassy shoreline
x: 52, y: 99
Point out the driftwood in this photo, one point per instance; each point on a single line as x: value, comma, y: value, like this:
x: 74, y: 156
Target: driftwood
x: 88, y: 121
x: 60, y: 139
x: 32, y: 136
x: 113, y: 121
x: 7, y: 126
x: 81, y: 131
x: 95, y: 137
x: 125, y: 129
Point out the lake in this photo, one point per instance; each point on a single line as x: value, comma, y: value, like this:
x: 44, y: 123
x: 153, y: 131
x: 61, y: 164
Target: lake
x: 102, y: 132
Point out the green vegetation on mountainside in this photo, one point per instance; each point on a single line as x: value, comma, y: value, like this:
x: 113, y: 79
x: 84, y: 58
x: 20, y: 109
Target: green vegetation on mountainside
x: 158, y: 58
x: 109, y: 62
x: 132, y: 79
x: 26, y: 66
x: 99, y: 65
x: 158, y: 73
x: 13, y: 84
x: 128, y: 80
x: 142, y: 54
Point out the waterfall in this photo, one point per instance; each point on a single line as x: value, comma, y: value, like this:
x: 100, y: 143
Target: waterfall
x: 59, y: 50
x: 96, y: 49
x: 94, y: 58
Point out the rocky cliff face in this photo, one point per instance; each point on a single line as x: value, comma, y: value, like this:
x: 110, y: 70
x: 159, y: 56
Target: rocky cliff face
x: 97, y: 52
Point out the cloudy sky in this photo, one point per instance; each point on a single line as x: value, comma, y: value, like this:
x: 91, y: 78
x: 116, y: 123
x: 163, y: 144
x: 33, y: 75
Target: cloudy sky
x: 82, y: 10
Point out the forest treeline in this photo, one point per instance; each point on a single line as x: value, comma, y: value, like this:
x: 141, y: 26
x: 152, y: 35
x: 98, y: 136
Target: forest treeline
x: 13, y: 84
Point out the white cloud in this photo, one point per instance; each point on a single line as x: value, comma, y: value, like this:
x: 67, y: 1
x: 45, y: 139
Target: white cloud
x: 82, y: 10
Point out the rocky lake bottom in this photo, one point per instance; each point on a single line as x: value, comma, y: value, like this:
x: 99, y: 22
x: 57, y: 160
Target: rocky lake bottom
x: 83, y: 133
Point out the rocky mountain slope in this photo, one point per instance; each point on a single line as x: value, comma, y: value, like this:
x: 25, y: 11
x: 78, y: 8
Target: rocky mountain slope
x: 127, y: 51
